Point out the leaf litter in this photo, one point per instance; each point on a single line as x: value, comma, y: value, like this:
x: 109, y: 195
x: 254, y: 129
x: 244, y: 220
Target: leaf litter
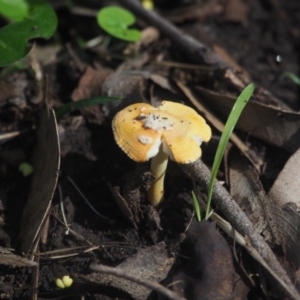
x: 92, y: 159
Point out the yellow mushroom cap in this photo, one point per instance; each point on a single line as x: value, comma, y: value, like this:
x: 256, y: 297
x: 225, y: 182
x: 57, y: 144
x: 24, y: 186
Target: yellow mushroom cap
x: 140, y: 129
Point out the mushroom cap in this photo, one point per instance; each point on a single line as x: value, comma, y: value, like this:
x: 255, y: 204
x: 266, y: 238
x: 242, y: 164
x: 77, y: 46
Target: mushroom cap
x: 141, y: 129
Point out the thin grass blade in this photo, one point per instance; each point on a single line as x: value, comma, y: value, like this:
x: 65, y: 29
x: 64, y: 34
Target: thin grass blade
x: 235, y: 113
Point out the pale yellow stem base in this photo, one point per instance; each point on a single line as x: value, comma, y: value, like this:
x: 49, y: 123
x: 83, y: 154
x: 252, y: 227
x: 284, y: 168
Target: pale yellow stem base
x: 158, y: 168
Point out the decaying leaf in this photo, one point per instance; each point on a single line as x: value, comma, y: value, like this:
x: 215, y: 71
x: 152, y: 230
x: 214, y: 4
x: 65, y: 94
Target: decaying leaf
x: 286, y: 187
x: 46, y: 161
x: 281, y: 222
x: 209, y: 252
x: 247, y: 190
x: 127, y: 85
x: 89, y: 86
x: 151, y: 263
x: 278, y: 127
x: 236, y: 11
x: 9, y: 259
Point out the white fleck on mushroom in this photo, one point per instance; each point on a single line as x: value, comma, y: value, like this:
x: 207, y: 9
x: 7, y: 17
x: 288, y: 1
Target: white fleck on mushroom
x: 145, y: 139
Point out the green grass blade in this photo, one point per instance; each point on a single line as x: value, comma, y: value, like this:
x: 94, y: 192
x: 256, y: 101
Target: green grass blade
x: 196, y: 207
x: 82, y: 104
x: 292, y: 76
x: 235, y: 113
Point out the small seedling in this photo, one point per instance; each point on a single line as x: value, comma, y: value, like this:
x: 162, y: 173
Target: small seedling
x: 292, y: 76
x: 65, y: 282
x: 26, y: 169
x: 196, y: 207
x: 116, y: 20
x: 235, y: 113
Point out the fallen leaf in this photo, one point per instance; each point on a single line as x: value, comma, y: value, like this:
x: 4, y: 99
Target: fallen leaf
x: 286, y: 187
x: 89, y: 86
x: 46, y: 161
x: 271, y: 124
x: 210, y: 271
x: 151, y: 263
x: 9, y: 259
x: 236, y: 11
x: 280, y: 224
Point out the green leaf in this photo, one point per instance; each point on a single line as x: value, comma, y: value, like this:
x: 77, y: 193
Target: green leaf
x: 40, y: 23
x: 115, y: 21
x: 196, y: 207
x: 292, y: 76
x: 26, y: 169
x: 82, y: 104
x: 14, y: 10
x: 235, y: 113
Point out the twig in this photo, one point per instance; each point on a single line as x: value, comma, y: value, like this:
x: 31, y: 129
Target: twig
x: 63, y: 209
x: 86, y: 200
x: 239, y: 221
x: 149, y: 284
x: 200, y: 53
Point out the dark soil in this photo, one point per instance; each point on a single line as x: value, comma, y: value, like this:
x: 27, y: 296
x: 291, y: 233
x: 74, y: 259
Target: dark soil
x: 264, y: 42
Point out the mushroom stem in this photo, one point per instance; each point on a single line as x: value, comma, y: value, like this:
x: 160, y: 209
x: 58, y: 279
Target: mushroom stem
x: 158, y: 168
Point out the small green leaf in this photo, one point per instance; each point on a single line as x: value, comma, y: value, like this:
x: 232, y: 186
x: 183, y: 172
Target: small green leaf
x: 26, y: 169
x: 235, y: 113
x: 41, y: 22
x: 14, y: 10
x: 196, y: 207
x: 82, y: 104
x: 115, y: 21
x: 292, y: 76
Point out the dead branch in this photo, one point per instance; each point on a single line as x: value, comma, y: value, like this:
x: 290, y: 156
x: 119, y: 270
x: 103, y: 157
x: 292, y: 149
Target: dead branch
x: 197, y: 51
x: 126, y: 275
x: 237, y: 218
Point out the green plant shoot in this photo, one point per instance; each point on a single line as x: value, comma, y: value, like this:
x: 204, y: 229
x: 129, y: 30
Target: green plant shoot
x: 292, y: 76
x: 115, y: 21
x: 196, y: 207
x: 235, y: 113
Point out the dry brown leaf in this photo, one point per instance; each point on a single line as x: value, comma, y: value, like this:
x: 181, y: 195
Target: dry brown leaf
x: 127, y: 85
x: 236, y: 11
x: 89, y: 86
x: 149, y: 35
x: 151, y: 263
x: 286, y: 187
x: 248, y: 192
x: 273, y: 125
x: 9, y: 259
x: 282, y: 223
x: 46, y: 162
x: 210, y: 266
x: 211, y: 117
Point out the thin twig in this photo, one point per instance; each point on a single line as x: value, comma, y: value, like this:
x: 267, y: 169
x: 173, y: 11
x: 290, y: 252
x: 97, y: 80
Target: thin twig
x: 86, y: 200
x: 149, y: 284
x: 199, y: 52
x: 63, y: 209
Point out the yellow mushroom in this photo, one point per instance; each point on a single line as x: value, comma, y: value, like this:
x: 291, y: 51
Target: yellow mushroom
x: 172, y: 130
